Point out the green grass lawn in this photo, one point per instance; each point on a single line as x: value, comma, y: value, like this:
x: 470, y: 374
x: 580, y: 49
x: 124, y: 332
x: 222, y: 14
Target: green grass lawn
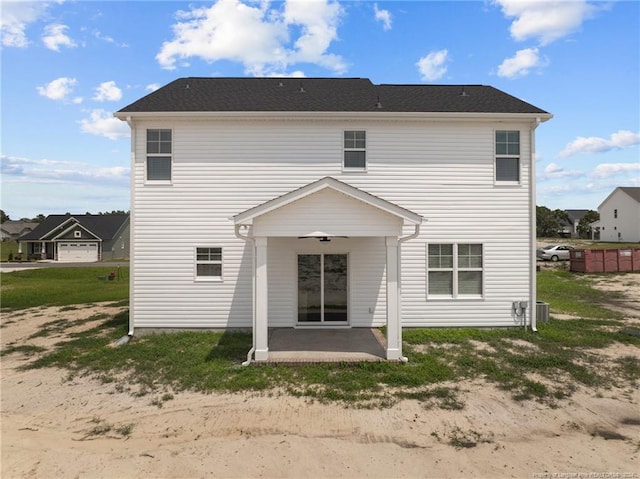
x: 547, y: 366
x: 8, y: 249
x: 62, y: 286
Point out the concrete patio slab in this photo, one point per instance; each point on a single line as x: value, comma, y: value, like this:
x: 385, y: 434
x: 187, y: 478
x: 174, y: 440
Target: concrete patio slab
x: 289, y: 345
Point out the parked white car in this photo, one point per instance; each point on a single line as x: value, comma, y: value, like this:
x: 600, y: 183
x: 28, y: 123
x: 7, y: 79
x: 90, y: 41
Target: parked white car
x: 554, y: 252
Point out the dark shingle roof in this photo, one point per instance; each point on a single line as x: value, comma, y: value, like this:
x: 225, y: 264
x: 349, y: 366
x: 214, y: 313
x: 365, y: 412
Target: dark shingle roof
x: 324, y: 95
x: 633, y: 191
x: 576, y: 214
x: 104, y: 227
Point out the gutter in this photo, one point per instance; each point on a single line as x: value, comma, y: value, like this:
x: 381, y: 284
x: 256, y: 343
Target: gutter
x: 414, y: 235
x: 253, y: 291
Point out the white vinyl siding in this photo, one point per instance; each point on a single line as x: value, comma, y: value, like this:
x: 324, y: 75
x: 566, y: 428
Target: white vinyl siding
x: 441, y: 170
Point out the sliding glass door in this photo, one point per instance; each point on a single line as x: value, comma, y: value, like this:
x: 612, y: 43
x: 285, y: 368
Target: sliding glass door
x: 322, y: 288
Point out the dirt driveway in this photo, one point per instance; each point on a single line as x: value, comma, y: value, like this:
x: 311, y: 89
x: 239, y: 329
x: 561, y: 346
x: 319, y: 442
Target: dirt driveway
x: 56, y: 427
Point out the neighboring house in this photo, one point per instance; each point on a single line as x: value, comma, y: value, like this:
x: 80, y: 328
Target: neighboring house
x: 78, y: 238
x: 11, y: 230
x: 570, y: 228
x: 620, y: 215
x: 331, y: 203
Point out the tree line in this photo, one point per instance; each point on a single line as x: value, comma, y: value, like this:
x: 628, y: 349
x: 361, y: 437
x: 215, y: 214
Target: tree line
x: 39, y: 218
x: 550, y: 223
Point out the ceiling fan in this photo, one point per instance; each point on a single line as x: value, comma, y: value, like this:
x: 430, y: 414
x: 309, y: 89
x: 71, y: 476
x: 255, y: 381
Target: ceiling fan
x: 322, y: 239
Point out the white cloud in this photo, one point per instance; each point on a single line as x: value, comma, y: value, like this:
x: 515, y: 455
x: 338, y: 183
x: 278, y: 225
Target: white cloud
x: 432, y: 67
x: 108, y: 91
x: 256, y: 35
x: 383, y: 16
x: 545, y: 21
x: 594, y: 144
x: 606, y: 170
x: 152, y: 87
x: 102, y: 123
x: 108, y: 39
x: 554, y: 171
x: 521, y: 63
x: 26, y: 170
x: 54, y: 37
x: 58, y: 89
x: 15, y: 17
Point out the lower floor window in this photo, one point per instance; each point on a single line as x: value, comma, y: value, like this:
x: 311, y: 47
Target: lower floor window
x: 454, y: 270
x: 209, y: 263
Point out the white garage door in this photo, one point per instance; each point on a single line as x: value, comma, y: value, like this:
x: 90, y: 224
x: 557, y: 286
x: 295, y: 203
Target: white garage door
x: 77, y: 252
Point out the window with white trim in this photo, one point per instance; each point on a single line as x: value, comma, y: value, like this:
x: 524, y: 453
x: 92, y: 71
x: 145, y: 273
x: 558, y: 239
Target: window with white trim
x: 208, y: 263
x: 355, y: 150
x: 454, y: 270
x: 507, y: 166
x: 77, y: 234
x: 159, y: 149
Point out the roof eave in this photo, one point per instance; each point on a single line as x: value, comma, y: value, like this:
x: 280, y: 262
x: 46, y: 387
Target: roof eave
x: 332, y: 115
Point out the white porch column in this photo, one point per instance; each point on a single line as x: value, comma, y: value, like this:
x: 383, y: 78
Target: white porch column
x: 261, y: 312
x: 394, y: 334
x: 43, y: 250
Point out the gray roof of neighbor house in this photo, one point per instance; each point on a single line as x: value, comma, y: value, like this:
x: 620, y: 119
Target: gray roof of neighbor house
x: 104, y: 227
x: 197, y: 94
x: 14, y: 227
x: 576, y: 214
x: 633, y: 191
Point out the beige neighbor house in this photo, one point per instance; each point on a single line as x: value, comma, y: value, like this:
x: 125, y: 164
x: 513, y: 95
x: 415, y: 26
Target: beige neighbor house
x: 331, y: 203
x: 620, y: 215
x: 11, y: 230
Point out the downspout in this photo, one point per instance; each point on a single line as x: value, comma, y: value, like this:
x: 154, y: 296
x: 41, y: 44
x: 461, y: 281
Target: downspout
x: 532, y: 231
x: 132, y: 223
x: 125, y: 339
x: 414, y: 235
x: 253, y: 291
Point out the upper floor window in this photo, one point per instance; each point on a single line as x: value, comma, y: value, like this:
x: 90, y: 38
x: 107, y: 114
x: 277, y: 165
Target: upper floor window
x: 159, y: 151
x: 615, y: 213
x: 355, y: 150
x: 507, y: 166
x: 454, y: 270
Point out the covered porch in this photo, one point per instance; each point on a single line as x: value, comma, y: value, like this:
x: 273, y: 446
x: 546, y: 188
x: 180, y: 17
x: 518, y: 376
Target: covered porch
x: 324, y: 292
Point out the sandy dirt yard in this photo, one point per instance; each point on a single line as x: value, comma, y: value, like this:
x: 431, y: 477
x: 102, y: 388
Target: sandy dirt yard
x: 56, y: 427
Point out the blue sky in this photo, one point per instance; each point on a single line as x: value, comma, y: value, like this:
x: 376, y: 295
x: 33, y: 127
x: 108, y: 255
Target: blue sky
x: 68, y: 65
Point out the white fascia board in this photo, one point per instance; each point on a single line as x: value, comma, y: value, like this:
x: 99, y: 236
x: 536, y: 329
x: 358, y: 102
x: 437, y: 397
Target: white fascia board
x: 335, y: 115
x: 246, y: 217
x: 71, y: 228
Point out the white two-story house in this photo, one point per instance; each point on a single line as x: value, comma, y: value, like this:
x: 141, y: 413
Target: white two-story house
x: 620, y: 215
x: 331, y: 203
